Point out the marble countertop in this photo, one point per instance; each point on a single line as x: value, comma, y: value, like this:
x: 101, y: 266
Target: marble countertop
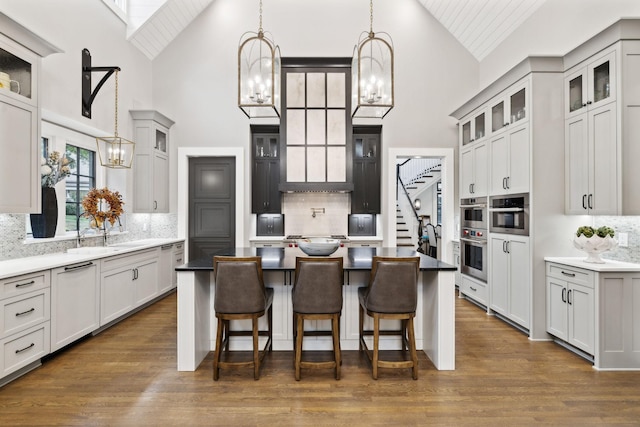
x: 19, y: 266
x: 609, y: 265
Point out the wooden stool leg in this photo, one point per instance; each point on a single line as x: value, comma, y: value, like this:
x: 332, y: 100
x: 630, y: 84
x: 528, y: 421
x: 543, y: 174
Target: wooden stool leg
x: 412, y: 348
x: 299, y: 320
x: 361, y: 325
x: 256, y: 349
x: 335, y: 331
x: 376, y: 342
x: 216, y: 355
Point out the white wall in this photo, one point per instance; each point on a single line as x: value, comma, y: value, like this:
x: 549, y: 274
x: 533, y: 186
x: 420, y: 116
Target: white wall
x: 557, y: 27
x: 195, y: 78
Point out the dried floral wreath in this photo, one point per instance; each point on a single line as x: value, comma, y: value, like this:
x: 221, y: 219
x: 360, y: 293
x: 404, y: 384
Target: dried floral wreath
x: 92, y: 202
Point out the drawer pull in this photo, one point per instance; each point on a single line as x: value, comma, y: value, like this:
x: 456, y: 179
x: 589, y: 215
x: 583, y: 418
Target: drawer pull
x: 75, y: 267
x: 473, y: 289
x: 26, y: 348
x: 569, y: 274
x: 24, y: 285
x: 166, y: 246
x: 24, y: 313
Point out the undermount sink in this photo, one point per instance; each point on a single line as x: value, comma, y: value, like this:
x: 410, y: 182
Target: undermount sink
x: 92, y: 250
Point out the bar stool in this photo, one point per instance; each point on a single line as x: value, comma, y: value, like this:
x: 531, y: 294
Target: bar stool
x: 317, y: 295
x: 392, y: 294
x: 240, y: 294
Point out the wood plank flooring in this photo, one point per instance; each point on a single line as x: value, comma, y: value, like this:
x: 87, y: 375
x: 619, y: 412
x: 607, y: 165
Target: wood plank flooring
x: 126, y: 376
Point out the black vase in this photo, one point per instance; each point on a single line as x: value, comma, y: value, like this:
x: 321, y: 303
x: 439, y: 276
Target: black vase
x: 44, y: 224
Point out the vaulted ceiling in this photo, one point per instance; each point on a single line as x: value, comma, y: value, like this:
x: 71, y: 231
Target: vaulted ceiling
x: 479, y: 25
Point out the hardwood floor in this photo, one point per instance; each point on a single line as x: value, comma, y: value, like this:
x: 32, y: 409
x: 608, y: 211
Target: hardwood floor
x: 127, y: 376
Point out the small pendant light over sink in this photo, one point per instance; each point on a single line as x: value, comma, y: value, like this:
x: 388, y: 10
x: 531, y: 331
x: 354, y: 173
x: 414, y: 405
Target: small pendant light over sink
x: 258, y: 74
x: 372, y: 74
x: 114, y: 151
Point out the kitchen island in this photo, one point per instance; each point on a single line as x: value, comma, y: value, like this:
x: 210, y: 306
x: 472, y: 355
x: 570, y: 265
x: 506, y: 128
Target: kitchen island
x: 435, y: 313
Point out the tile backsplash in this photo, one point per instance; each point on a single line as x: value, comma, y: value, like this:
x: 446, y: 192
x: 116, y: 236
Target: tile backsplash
x: 622, y: 224
x: 331, y: 213
x: 138, y: 226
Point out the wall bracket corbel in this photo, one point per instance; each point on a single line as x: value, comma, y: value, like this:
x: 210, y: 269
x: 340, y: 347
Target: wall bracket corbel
x: 87, y: 95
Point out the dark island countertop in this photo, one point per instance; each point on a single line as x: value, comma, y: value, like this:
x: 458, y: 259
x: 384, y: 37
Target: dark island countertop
x: 284, y: 259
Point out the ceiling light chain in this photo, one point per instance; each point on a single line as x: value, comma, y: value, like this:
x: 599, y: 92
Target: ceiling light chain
x: 115, y: 133
x: 371, y: 18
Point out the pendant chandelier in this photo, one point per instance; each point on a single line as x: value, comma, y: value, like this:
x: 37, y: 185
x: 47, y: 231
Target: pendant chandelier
x: 372, y: 74
x: 258, y: 74
x: 114, y: 151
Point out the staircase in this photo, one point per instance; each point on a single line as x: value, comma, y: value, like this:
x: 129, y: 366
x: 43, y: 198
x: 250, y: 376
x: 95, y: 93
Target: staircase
x: 403, y: 234
x: 417, y: 175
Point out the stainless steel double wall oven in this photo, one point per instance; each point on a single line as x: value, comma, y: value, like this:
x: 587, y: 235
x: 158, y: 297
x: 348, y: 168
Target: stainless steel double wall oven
x: 473, y: 237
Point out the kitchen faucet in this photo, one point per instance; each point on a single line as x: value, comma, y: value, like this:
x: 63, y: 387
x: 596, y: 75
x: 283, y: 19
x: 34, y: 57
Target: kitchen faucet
x: 80, y: 236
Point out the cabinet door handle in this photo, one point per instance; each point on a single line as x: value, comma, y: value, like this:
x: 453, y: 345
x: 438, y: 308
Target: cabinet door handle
x: 504, y: 246
x: 568, y: 274
x: 589, y: 102
x: 24, y: 285
x: 569, y: 297
x: 504, y: 183
x: 26, y: 348
x: 508, y: 182
x: 25, y: 312
x: 584, y: 201
x: 564, y: 294
x: 76, y: 267
x: 508, y: 249
x: 590, y: 199
x: 155, y: 205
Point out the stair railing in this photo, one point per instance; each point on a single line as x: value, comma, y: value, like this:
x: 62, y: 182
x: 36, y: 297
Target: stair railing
x: 400, y: 185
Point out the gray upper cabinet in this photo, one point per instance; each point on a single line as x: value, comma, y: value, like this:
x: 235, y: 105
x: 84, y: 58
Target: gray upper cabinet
x: 151, y: 163
x: 265, y: 195
x: 365, y: 198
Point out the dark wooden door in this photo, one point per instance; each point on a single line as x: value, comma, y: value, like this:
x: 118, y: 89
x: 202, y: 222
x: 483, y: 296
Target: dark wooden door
x: 365, y: 198
x: 212, y: 205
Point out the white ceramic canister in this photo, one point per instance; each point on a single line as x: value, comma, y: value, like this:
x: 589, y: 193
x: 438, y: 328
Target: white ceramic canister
x: 6, y: 83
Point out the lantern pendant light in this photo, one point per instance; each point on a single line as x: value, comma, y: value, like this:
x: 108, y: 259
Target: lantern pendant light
x: 114, y: 151
x: 259, y: 74
x: 372, y: 74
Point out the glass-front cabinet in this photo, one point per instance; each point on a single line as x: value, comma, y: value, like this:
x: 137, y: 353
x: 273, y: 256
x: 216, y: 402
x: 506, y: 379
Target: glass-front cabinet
x: 509, y: 109
x: 16, y: 74
x: 474, y: 129
x: 20, y: 60
x: 591, y: 85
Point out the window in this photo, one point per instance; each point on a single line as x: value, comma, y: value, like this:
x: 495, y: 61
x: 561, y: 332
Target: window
x: 78, y: 184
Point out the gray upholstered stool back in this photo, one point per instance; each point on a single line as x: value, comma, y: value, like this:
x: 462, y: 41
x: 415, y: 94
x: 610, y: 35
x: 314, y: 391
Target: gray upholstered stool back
x: 393, y: 287
x: 318, y: 285
x: 239, y: 285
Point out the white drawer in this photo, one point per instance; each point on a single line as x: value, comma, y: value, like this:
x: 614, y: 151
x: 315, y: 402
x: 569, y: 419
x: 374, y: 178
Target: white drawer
x: 22, y: 284
x: 475, y: 290
x: 571, y: 274
x: 23, y: 311
x: 22, y: 349
x: 128, y: 259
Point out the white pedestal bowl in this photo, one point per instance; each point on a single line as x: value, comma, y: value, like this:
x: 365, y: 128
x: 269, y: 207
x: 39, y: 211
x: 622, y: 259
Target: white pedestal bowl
x: 594, y: 246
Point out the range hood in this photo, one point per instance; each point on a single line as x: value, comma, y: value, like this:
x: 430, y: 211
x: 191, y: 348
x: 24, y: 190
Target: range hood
x: 315, y: 187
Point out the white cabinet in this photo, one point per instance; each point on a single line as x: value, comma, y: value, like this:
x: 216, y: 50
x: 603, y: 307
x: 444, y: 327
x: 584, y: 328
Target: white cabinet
x: 510, y: 161
x: 127, y: 281
x: 456, y: 262
x: 25, y: 313
x: 474, y: 289
x: 178, y: 259
x: 474, y: 128
x: 571, y: 306
x: 509, y: 277
x: 151, y: 163
x: 590, y: 84
x: 20, y: 58
x: 75, y: 302
x: 509, y: 107
x: 474, y: 170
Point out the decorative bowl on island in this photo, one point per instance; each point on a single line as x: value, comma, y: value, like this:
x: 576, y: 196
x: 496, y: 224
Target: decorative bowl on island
x: 594, y: 242
x: 318, y: 246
